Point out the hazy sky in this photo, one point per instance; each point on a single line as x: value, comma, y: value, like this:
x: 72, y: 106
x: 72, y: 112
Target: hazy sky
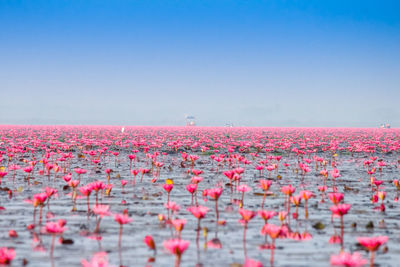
x: 252, y: 63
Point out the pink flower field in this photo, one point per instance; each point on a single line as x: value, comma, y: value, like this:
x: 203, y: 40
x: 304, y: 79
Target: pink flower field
x: 199, y: 196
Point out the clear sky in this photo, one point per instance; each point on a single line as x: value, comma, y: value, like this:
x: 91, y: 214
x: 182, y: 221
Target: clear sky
x: 251, y: 63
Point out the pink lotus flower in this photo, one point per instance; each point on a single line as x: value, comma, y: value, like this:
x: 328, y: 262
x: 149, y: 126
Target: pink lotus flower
x: 28, y: 169
x: 55, y: 227
x: 122, y: 218
x: 260, y: 167
x: 306, y: 194
x: 282, y: 215
x: 214, y: 193
x: 322, y: 188
x: 336, y: 198
x: 274, y: 231
x: 199, y: 212
x: 179, y: 224
x: 251, y: 263
x: 243, y: 188
x: 296, y: 200
x: 101, y: 210
x: 335, y: 173
x: 372, y: 243
x: 197, y: 172
x: 98, y: 185
x: 67, y: 177
x: 6, y: 255
x: 50, y: 191
x: 176, y: 246
x: 288, y: 190
x: 229, y: 174
x: 266, y: 215
x: 85, y: 190
x: 149, y: 241
x: 239, y: 170
x: 324, y: 173
x: 168, y: 187
x: 396, y: 183
x: 100, y: 259
x: 348, y: 260
x: 191, y: 188
x: 14, y: 167
x: 196, y: 179
x: 247, y: 215
x: 12, y: 233
x: 335, y: 239
x: 340, y: 210
x: 172, y: 206
x: 2, y: 174
x: 265, y: 184
x: 73, y: 183
x: 80, y: 171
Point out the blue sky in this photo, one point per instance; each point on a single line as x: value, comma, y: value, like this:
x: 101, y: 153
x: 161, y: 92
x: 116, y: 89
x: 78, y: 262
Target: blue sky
x: 251, y: 63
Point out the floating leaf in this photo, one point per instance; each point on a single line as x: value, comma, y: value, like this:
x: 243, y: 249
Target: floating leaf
x: 369, y: 225
x: 67, y: 241
x: 157, y: 194
x: 319, y: 226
